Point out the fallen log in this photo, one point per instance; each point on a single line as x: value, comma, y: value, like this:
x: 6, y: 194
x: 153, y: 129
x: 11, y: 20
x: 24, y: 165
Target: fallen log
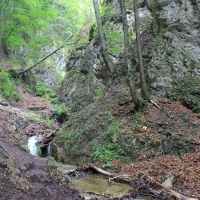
x: 101, y: 170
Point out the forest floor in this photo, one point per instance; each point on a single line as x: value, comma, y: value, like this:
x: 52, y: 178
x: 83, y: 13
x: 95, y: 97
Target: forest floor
x: 23, y: 176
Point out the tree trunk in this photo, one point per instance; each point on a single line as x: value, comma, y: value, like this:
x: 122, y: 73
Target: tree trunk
x: 127, y: 54
x: 1, y: 24
x: 143, y: 85
x: 105, y: 54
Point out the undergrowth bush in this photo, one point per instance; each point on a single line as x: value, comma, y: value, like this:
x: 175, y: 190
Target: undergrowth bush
x: 59, y: 109
x: 7, y: 86
x: 42, y: 90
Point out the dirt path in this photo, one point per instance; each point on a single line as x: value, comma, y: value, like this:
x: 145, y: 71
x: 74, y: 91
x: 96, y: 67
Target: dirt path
x: 23, y: 176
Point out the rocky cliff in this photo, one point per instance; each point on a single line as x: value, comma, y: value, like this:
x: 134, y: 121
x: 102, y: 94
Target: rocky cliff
x: 171, y: 49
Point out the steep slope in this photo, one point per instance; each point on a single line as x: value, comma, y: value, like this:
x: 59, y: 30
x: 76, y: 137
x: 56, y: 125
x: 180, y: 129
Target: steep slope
x: 170, y: 45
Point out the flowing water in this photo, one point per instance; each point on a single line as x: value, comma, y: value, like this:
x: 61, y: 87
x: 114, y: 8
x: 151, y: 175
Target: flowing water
x: 93, y: 183
x: 31, y: 145
x: 44, y: 152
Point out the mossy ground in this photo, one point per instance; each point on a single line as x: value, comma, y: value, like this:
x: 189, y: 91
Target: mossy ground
x: 111, y: 129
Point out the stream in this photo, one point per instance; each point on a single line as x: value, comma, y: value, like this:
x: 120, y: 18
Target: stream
x: 94, y: 184
x: 90, y: 184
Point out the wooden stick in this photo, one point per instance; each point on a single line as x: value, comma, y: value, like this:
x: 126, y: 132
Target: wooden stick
x: 101, y: 170
x: 155, y: 104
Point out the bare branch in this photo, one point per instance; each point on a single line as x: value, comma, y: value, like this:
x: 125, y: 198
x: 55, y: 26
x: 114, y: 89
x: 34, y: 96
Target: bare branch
x: 41, y: 60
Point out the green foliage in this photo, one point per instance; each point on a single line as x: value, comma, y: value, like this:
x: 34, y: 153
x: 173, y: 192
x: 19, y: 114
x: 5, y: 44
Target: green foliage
x: 113, y: 129
x: 68, y: 137
x: 124, y: 97
x: 59, y: 109
x: 115, y: 40
x: 13, y: 72
x: 105, y: 152
x: 52, y: 160
x: 32, y: 26
x: 22, y: 20
x: 112, y: 13
x: 7, y: 86
x: 39, y: 151
x: 24, y: 147
x: 39, y: 117
x: 48, y: 122
x: 99, y: 94
x: 103, y: 10
x: 54, y: 100
x: 129, y: 4
x: 109, y: 115
x: 41, y: 89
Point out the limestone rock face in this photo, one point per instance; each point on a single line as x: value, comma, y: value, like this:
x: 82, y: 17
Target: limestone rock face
x: 81, y: 79
x: 180, y: 21
x: 86, y: 72
x: 176, y: 49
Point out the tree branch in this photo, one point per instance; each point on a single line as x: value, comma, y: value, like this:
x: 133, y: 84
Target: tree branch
x: 41, y: 60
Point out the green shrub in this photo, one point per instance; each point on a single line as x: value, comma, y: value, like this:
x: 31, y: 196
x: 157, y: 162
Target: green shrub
x: 115, y: 40
x: 54, y: 100
x: 48, y: 121
x: 99, y: 94
x: 59, y: 109
x: 39, y: 151
x: 7, y: 86
x: 52, y: 160
x: 113, y: 129
x: 41, y: 89
x: 103, y: 10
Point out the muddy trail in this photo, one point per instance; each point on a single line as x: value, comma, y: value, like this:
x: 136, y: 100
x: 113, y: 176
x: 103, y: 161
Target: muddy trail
x: 23, y: 176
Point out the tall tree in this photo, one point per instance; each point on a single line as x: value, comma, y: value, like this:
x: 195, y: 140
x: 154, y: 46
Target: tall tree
x: 127, y: 54
x: 106, y: 57
x: 143, y: 84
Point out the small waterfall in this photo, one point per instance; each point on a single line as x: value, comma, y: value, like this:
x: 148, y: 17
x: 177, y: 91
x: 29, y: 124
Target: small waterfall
x: 55, y: 121
x: 34, y: 149
x: 44, y: 146
x: 31, y: 144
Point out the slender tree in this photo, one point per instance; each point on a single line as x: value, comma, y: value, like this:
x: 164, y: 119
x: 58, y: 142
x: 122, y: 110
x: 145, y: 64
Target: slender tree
x: 127, y: 54
x: 143, y: 85
x: 105, y: 54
